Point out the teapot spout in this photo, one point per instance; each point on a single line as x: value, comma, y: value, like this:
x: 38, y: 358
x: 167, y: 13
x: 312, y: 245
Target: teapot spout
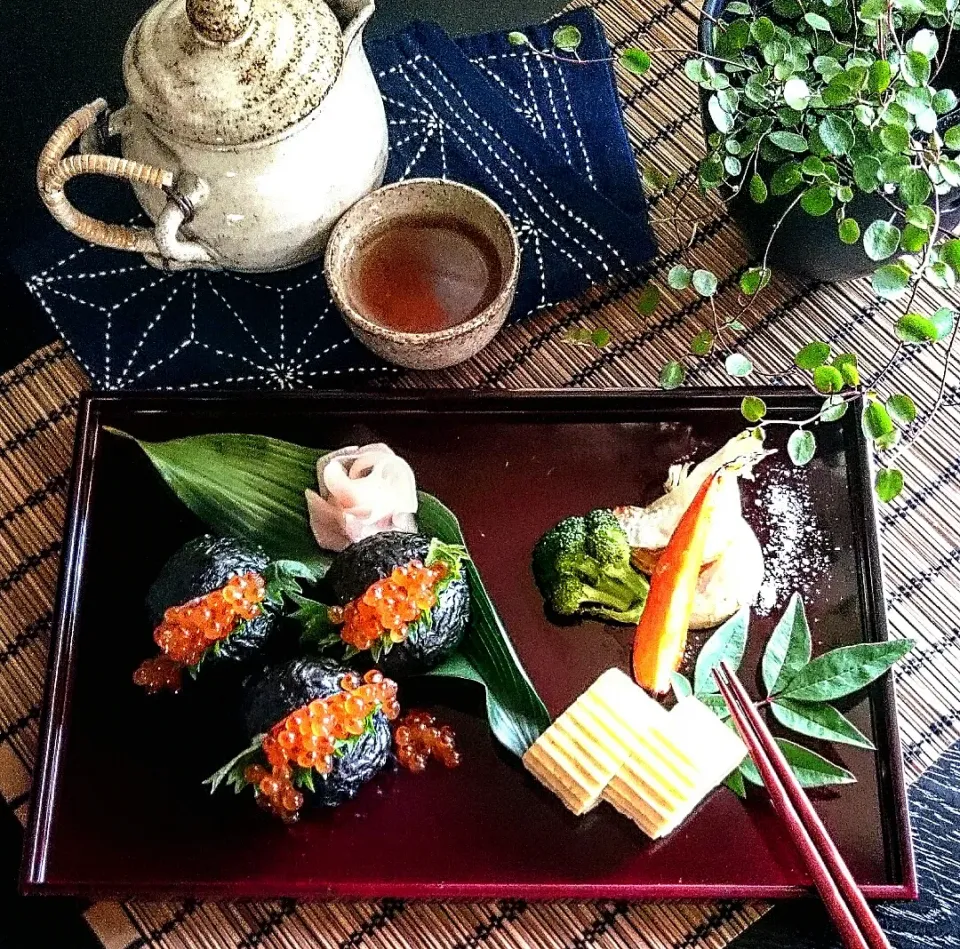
x: 353, y: 16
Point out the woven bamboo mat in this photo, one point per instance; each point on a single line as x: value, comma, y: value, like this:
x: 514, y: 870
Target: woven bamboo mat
x: 921, y: 535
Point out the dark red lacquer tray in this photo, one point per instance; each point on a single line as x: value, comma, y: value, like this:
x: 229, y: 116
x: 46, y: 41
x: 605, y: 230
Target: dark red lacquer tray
x: 119, y: 808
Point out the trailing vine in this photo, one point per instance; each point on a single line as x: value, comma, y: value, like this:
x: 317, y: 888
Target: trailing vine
x: 815, y: 104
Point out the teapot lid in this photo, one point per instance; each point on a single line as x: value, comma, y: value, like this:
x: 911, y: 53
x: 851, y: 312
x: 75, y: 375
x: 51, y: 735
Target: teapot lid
x: 229, y: 72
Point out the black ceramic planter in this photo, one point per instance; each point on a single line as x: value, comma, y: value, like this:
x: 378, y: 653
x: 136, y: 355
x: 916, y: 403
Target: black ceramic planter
x: 805, y: 245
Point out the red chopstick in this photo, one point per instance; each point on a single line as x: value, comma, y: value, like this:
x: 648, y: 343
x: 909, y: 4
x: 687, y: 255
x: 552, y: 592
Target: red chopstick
x: 849, y: 910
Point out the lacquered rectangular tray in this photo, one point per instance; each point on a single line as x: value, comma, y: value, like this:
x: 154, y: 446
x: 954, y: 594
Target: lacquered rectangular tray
x: 119, y: 809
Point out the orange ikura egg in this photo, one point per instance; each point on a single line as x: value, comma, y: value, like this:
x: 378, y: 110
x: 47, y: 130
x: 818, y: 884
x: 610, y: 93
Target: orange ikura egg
x: 388, y: 607
x: 417, y: 737
x: 188, y: 630
x: 307, y: 737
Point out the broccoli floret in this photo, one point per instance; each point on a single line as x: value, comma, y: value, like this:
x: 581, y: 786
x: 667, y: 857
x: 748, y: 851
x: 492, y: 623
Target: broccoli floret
x: 582, y: 567
x: 606, y: 541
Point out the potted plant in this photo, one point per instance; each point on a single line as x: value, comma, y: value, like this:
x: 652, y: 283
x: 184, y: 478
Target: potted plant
x: 835, y: 120
x: 835, y: 140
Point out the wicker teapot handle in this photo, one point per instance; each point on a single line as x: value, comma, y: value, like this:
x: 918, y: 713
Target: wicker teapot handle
x: 161, y: 246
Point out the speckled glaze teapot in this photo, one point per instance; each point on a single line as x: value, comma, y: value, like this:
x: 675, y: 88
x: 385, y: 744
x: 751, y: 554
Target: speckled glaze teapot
x: 251, y: 126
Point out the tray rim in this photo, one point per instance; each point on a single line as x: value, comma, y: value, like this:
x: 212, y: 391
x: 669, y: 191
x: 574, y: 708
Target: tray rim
x: 57, y: 691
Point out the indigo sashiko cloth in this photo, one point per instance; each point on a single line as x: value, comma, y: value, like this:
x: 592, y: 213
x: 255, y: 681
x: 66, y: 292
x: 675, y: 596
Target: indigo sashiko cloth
x: 544, y: 139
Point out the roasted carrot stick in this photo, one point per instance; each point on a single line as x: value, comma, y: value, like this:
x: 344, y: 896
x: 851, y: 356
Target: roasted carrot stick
x: 661, y: 635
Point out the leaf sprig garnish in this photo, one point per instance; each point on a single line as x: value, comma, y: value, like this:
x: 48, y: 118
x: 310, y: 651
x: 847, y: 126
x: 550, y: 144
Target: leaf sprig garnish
x: 825, y: 109
x: 232, y: 773
x: 800, y: 690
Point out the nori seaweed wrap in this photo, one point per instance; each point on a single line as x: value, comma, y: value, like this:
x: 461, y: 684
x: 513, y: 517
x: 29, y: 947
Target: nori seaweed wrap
x: 283, y: 689
x: 200, y: 566
x: 427, y: 643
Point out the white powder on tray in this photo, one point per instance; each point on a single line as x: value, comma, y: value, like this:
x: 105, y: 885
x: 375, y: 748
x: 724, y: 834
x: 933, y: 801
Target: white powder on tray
x: 793, y: 556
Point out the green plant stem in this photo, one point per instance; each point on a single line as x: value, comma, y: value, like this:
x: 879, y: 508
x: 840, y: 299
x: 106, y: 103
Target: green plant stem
x: 776, y: 228
x: 679, y: 50
x: 945, y: 52
x: 937, y: 405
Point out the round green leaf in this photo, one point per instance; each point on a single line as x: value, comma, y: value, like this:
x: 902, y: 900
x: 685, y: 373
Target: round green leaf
x: 738, y: 365
x: 876, y: 421
x: 786, y: 177
x: 812, y: 355
x: 754, y: 280
x: 895, y: 138
x: 635, y: 61
x: 846, y: 365
x: 914, y: 239
x: 916, y: 328
x: 817, y: 22
x: 801, y: 446
x: 753, y: 408
x: 833, y: 409
x: 789, y: 141
x: 878, y: 78
x: 722, y: 119
x: 568, y: 38
x: 702, y: 343
x: 812, y: 165
x: 915, y: 187
x: 921, y: 216
x: 866, y: 173
x: 672, y: 375
x: 849, y: 231
x: 649, y: 299
x: 924, y: 42
x: 836, y: 133
x: 827, y: 379
x: 949, y: 252
x: 517, y: 38
x: 951, y: 138
x: 796, y: 94
x: 943, y: 321
x: 902, y: 409
x: 891, y: 280
x: 763, y: 30
x: 888, y: 484
x: 944, y: 101
x: 758, y: 189
x: 704, y: 282
x: 881, y: 240
x: 679, y: 277
x: 916, y: 68
x: 817, y: 201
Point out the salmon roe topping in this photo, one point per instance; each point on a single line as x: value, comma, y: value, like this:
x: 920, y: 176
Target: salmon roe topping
x: 188, y: 630
x: 389, y: 606
x: 417, y: 738
x: 307, y: 738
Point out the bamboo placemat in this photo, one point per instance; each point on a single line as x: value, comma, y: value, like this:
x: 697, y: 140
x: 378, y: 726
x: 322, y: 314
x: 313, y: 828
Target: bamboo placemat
x: 921, y: 535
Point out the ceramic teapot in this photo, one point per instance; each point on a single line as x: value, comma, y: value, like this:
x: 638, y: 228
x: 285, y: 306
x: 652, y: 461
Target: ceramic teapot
x: 251, y: 126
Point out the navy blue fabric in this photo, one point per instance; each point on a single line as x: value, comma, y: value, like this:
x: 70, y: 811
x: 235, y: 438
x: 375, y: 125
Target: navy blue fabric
x: 545, y: 140
x: 933, y: 921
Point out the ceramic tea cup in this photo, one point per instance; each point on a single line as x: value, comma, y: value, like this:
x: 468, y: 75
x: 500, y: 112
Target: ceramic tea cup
x: 422, y: 199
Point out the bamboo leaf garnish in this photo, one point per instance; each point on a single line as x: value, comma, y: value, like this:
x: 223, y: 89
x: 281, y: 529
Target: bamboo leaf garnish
x: 249, y: 486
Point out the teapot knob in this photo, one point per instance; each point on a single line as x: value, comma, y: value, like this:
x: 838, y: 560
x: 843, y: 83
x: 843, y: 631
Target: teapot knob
x: 219, y: 21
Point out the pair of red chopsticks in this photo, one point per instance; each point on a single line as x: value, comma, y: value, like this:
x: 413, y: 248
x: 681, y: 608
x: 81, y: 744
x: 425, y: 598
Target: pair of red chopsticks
x: 853, y: 917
